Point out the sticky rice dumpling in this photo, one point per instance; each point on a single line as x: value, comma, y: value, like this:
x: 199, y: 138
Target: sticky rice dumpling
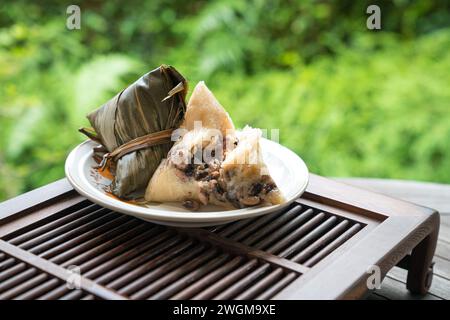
x: 212, y: 163
x: 203, y: 107
x: 135, y: 127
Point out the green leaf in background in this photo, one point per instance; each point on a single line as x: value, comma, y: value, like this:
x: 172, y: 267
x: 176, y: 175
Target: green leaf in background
x: 98, y: 80
x: 350, y: 101
x: 22, y: 134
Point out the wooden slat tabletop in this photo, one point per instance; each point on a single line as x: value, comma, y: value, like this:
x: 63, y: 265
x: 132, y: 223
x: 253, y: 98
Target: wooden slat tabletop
x: 274, y: 246
x: 433, y: 195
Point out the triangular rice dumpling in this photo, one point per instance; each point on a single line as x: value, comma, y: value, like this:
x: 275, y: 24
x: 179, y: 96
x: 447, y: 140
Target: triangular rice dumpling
x: 245, y: 175
x: 152, y: 104
x: 213, y: 163
x: 204, y: 107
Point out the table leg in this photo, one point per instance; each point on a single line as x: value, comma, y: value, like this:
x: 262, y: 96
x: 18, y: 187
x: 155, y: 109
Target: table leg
x: 420, y: 271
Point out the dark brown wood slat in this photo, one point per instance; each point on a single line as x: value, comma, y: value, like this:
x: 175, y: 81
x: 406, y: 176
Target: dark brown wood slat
x: 79, y: 258
x: 63, y: 229
x: 239, y: 248
x: 50, y: 224
x: 109, y: 244
x: 191, y: 277
x: 243, y: 283
x: 332, y: 246
x: 76, y: 236
x: 33, y: 200
x: 218, y: 228
x: 100, y: 267
x: 303, y: 241
x: 11, y: 269
x: 39, y: 290
x: 272, y: 278
x: 157, y: 272
x: 48, y: 241
x: 56, y: 271
x: 292, y: 219
x: 255, y: 225
x: 77, y: 295
x: 265, y: 239
x: 137, y: 287
x: 95, y: 227
x: 17, y: 268
x: 260, y: 228
x: 209, y: 279
x: 276, y: 288
x: 266, y: 266
x: 72, y: 295
x: 119, y: 247
x: 106, y: 262
x: 223, y: 283
x: 297, y: 233
x: 40, y: 231
x: 354, y: 216
x: 31, y: 271
x: 322, y: 241
x: 281, y: 224
x: 149, y: 260
x: 54, y: 294
x: 21, y: 222
x: 21, y: 287
x: 17, y: 278
x: 150, y: 291
x: 111, y: 273
x: 231, y: 228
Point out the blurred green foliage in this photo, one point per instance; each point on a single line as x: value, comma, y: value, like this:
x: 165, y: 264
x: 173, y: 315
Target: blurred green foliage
x: 350, y: 101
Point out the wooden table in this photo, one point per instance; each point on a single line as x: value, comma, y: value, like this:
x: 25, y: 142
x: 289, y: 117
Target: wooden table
x: 433, y: 195
x: 330, y: 230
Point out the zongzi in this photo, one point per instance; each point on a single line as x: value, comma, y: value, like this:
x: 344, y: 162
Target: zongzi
x: 136, y: 125
x: 212, y: 162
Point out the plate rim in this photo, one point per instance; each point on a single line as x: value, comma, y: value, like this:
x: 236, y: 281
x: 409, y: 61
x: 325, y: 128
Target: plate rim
x: 156, y: 214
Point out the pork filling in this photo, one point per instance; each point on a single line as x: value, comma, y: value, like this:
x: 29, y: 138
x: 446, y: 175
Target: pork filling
x: 219, y: 185
x: 225, y: 186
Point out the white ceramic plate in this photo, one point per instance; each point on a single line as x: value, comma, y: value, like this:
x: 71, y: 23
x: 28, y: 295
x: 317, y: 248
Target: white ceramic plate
x: 286, y: 168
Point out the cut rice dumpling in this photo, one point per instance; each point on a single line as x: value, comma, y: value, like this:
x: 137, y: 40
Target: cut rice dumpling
x: 244, y: 174
x: 136, y: 124
x: 203, y: 107
x: 212, y: 163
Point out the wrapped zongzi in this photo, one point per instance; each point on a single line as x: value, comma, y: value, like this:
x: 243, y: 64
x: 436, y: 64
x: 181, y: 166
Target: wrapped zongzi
x: 135, y: 127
